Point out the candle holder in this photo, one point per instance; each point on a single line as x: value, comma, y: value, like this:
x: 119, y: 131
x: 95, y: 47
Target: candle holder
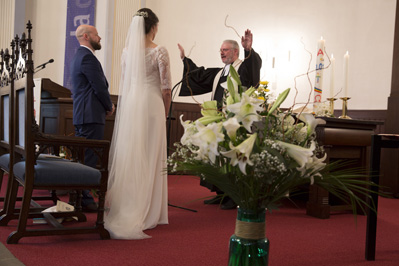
x: 345, y: 108
x: 331, y: 109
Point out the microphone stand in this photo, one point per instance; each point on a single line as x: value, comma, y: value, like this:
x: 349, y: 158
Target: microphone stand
x: 170, y: 118
x: 43, y: 67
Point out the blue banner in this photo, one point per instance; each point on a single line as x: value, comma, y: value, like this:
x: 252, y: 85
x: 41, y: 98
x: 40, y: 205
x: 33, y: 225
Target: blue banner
x: 78, y: 12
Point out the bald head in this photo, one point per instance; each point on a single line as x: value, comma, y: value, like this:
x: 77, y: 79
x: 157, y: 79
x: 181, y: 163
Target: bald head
x: 87, y: 35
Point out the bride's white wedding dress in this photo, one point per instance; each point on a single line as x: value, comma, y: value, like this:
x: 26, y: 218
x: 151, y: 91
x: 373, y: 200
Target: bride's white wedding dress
x: 137, y: 189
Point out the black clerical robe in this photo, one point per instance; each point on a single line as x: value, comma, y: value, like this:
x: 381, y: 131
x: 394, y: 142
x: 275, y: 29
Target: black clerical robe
x: 203, y: 80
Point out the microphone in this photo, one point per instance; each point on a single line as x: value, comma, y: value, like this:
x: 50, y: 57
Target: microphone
x: 44, y: 64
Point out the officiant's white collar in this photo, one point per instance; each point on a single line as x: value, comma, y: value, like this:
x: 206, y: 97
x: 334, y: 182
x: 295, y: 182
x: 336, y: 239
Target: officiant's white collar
x: 236, y: 65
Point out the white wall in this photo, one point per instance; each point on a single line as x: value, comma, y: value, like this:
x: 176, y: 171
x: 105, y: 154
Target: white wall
x: 365, y: 28
x: 48, y: 20
x: 49, y: 25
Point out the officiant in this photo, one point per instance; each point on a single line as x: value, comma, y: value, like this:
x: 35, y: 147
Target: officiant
x: 204, y: 80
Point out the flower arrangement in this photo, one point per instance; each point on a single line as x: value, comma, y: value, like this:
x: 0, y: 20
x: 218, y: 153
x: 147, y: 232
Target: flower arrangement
x: 257, y: 153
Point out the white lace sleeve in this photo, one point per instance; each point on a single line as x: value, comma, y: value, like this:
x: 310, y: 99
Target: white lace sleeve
x: 164, y: 68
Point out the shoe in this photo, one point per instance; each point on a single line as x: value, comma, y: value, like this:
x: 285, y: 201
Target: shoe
x: 215, y: 200
x: 228, y: 205
x: 92, y: 207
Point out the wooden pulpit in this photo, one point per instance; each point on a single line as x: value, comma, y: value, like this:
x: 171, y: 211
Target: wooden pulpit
x: 56, y: 111
x: 342, y: 139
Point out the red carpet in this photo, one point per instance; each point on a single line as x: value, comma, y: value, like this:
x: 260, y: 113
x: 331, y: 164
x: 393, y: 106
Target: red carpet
x: 202, y: 238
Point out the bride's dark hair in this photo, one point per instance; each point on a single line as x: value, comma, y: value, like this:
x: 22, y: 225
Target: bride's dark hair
x: 150, y: 20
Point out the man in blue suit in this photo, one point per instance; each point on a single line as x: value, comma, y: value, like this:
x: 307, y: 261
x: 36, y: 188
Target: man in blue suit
x: 91, y: 99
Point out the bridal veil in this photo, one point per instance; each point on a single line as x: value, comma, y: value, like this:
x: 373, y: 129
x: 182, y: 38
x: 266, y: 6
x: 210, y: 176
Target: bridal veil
x: 128, y: 195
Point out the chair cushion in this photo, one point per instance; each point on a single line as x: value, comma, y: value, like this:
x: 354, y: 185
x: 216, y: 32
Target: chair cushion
x: 60, y: 173
x: 5, y: 162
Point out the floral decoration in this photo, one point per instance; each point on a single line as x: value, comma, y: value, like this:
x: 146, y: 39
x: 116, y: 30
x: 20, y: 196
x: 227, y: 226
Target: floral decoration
x: 257, y: 153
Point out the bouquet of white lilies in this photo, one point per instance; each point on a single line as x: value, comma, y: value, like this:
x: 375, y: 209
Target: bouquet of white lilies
x: 257, y: 153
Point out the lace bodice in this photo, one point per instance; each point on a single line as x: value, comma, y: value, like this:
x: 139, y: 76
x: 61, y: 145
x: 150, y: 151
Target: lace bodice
x: 158, y: 66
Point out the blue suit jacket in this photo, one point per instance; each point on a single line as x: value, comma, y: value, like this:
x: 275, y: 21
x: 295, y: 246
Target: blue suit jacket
x: 91, y: 99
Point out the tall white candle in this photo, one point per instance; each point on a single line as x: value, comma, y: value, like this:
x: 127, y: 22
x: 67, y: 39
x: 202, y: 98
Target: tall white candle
x: 332, y: 76
x: 346, y: 73
x: 319, y: 73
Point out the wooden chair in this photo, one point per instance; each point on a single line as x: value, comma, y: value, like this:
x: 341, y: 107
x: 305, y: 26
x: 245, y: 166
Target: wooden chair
x: 7, y: 77
x: 7, y: 64
x: 32, y: 173
x: 378, y: 142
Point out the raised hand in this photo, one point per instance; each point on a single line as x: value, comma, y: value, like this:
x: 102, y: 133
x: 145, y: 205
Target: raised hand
x: 246, y: 40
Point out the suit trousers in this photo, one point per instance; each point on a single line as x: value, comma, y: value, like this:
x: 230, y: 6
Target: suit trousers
x: 89, y: 131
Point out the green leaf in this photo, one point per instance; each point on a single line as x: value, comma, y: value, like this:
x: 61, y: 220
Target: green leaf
x: 205, y: 120
x: 234, y: 75
x: 209, y: 108
x: 250, y: 91
x: 230, y: 87
x: 280, y: 99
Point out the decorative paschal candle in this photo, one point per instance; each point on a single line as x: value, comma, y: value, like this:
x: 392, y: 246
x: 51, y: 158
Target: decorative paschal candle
x: 319, y: 72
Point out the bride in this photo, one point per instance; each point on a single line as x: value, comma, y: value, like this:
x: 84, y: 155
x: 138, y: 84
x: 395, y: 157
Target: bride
x: 137, y: 187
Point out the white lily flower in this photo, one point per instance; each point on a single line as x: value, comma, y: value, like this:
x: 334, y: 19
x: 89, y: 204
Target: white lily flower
x: 301, y: 135
x: 231, y: 125
x: 207, y: 139
x: 246, y: 110
x: 189, y: 130
x: 287, y: 121
x: 315, y: 165
x: 240, y: 154
x: 311, y: 122
x: 300, y: 154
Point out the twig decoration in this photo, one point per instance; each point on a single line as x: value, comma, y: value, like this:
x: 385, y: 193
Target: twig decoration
x: 227, y: 26
x: 239, y: 37
x: 192, y: 47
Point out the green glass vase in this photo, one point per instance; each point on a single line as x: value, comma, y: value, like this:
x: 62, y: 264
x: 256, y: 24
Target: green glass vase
x: 249, y: 246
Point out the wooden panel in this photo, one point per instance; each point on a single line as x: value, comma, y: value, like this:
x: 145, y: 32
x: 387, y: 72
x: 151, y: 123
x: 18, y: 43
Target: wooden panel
x: 189, y: 111
x: 349, y: 137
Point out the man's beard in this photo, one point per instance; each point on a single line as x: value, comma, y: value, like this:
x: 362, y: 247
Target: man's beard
x: 95, y: 45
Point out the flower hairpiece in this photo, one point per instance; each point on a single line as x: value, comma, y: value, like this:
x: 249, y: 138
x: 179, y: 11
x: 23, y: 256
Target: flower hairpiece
x: 141, y: 14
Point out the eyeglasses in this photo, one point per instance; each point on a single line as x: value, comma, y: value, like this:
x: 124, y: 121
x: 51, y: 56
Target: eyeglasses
x: 225, y: 50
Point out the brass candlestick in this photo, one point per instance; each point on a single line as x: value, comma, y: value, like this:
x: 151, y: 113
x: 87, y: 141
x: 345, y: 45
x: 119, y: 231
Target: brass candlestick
x: 345, y: 108
x: 331, y: 111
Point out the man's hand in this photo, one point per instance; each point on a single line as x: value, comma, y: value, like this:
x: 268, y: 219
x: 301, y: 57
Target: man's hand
x: 109, y: 113
x: 182, y: 55
x: 246, y: 40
